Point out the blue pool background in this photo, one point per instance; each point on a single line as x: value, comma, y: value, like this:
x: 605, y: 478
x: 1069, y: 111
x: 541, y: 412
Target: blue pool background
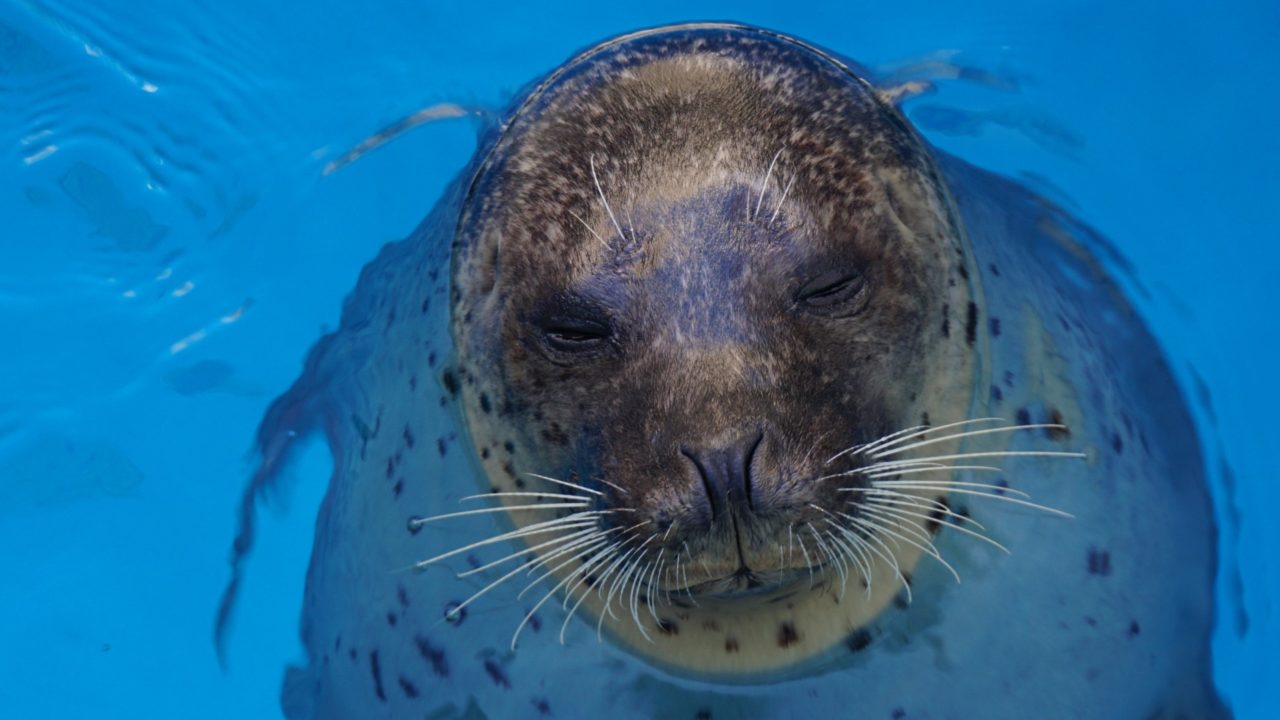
x: 169, y: 248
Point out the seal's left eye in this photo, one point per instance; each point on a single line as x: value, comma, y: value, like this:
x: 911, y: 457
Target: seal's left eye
x: 830, y: 290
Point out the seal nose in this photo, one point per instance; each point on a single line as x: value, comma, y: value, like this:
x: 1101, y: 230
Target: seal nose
x: 726, y: 473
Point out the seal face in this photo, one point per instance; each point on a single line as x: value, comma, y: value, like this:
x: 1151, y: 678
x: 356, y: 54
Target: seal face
x: 693, y: 273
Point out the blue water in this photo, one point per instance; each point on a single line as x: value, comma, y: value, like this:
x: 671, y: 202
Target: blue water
x: 169, y: 248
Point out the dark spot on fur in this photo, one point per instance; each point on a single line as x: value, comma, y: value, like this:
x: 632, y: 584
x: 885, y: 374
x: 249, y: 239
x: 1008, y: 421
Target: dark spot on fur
x: 703, y: 714
x: 1008, y: 378
x: 994, y: 270
x: 450, y: 382
x: 946, y: 321
x: 352, y: 654
x: 509, y: 447
x: 535, y: 622
x: 414, y: 524
x: 542, y: 706
x: 391, y: 619
x: 997, y: 395
x: 485, y: 405
x: 668, y: 627
x: 1001, y: 485
x: 1024, y: 416
x: 391, y: 468
x: 509, y: 469
x: 426, y: 305
x: 377, y: 676
x: 337, y: 643
x: 898, y: 714
x: 858, y: 641
x: 431, y: 359
x: 433, y: 655
x: 934, y: 523
x: 484, y: 454
x: 413, y: 382
x: 397, y: 488
x: 787, y: 635
x: 994, y: 324
x: 731, y: 645
x: 1116, y: 443
x: 1058, y: 434
x: 408, y: 436
x: 924, y: 419
x: 1090, y: 621
x: 1134, y: 630
x: 410, y: 690
x: 971, y: 324
x: 496, y: 674
x: 441, y: 446
x: 964, y: 271
x: 454, y: 613
x: 1099, y: 562
x: 402, y: 595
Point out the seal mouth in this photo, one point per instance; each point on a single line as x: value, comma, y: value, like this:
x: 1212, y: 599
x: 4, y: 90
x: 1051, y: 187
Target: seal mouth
x: 745, y: 583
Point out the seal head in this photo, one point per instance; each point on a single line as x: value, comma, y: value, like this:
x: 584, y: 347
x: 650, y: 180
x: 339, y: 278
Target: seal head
x: 697, y: 266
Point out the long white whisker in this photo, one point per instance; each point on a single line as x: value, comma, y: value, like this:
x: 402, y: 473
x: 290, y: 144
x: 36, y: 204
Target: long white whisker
x: 886, y: 554
x: 946, y: 484
x: 565, y: 483
x: 1003, y: 453
x: 550, y: 593
x: 960, y: 528
x: 602, y: 557
x: 892, y: 497
x: 914, y: 531
x: 866, y: 447
x: 782, y: 199
x: 622, y: 236
x: 936, y: 468
x: 569, y: 522
x: 926, y: 429
x: 557, y: 496
x: 458, y: 608
x: 419, y: 522
x: 589, y: 229
x: 1001, y: 498
x: 574, y: 549
x: 765, y: 184
x: 527, y: 551
x: 966, y: 434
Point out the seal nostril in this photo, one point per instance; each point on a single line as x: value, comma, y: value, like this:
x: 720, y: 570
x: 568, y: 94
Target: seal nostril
x: 726, y: 473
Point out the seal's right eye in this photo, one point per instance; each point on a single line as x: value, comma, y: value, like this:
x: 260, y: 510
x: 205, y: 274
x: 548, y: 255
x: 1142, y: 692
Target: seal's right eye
x: 575, y: 334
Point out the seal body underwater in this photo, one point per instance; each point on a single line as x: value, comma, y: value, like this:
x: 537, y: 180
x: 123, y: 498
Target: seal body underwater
x: 709, y: 389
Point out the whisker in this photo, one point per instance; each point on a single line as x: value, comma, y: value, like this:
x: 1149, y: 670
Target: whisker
x: 613, y: 588
x: 928, y: 548
x: 608, y: 209
x: 589, y: 229
x: 453, y: 612
x: 856, y: 555
x: 782, y: 199
x: 831, y: 555
x: 765, y: 184
x: 558, y: 496
x: 1001, y: 498
x: 911, y: 470
x: 604, y: 556
x: 419, y: 522
x: 966, y: 434
x: 1002, y: 453
x: 960, y: 528
x: 527, y: 551
x: 864, y: 447
x: 886, y: 554
x: 915, y: 501
x: 550, y: 593
x: 565, y: 483
x: 575, y: 549
x: 565, y: 523
x: 926, y: 429
x: 938, y: 484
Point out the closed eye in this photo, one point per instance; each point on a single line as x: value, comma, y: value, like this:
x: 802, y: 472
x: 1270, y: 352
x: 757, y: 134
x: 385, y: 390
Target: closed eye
x: 830, y: 291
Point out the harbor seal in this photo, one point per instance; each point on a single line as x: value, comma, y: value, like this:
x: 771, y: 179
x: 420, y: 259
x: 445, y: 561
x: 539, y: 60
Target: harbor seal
x: 712, y: 369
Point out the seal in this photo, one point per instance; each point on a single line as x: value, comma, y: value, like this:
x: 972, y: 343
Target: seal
x: 708, y: 352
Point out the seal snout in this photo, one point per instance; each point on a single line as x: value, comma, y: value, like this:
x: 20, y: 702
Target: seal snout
x: 726, y: 473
